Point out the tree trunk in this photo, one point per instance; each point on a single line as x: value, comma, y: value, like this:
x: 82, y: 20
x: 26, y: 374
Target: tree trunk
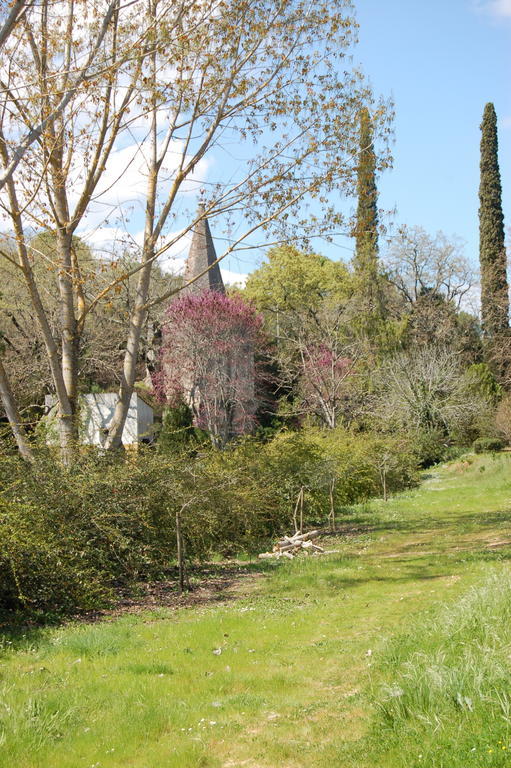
x: 139, y: 315
x: 65, y: 406
x: 298, y: 506
x: 114, y: 439
x: 301, y: 510
x: 11, y: 411
x: 332, y: 504
x: 180, y: 554
x: 67, y: 418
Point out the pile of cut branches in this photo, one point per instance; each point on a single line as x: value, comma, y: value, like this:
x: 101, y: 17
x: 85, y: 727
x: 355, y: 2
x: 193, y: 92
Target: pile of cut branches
x: 291, y: 546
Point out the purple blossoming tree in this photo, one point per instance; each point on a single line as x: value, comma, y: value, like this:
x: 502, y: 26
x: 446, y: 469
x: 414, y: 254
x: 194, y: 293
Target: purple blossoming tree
x: 207, y: 361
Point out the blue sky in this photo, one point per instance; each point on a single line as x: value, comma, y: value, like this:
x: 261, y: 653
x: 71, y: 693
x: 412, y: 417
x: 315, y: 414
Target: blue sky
x: 442, y: 61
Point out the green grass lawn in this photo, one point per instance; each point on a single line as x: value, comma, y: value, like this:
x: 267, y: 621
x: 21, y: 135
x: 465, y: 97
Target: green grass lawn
x: 395, y: 652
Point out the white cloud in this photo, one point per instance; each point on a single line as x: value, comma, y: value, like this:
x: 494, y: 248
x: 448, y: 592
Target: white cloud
x: 174, y: 260
x: 119, y: 201
x: 500, y: 9
x: 233, y: 278
x: 110, y: 241
x: 5, y: 223
x: 505, y: 122
x: 125, y: 177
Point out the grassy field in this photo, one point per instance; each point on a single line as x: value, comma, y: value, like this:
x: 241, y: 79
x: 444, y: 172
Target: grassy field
x: 395, y: 652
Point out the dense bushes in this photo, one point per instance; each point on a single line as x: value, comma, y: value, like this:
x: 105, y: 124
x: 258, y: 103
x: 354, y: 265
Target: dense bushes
x: 366, y: 464
x: 487, y: 444
x: 69, y: 537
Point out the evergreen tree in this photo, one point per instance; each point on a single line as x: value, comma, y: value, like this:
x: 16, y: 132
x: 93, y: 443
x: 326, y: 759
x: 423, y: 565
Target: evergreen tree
x: 366, y: 232
x: 492, y: 251
x: 366, y: 262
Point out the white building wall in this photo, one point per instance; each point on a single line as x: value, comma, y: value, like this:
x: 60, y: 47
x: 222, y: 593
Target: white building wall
x: 97, y: 410
x: 145, y: 420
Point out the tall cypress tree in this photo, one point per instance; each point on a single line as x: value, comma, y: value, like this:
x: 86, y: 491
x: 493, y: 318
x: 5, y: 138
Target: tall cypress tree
x: 366, y: 232
x: 366, y: 261
x: 492, y: 251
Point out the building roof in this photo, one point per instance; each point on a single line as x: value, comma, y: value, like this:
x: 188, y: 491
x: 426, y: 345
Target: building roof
x: 202, y: 255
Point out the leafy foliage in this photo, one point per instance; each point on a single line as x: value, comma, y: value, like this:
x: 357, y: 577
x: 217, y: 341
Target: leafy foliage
x: 100, y: 349
x: 503, y: 418
x: 487, y: 444
x: 69, y: 538
x: 306, y: 301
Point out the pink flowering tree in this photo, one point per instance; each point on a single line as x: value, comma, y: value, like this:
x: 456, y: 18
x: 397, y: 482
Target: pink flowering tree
x: 207, y: 361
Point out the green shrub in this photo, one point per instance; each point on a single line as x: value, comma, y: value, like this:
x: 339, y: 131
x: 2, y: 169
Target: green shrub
x: 41, y: 564
x: 431, y: 446
x: 487, y: 444
x: 258, y: 484
x: 367, y: 464
x: 177, y: 432
x: 254, y: 488
x: 481, y: 381
x: 69, y: 538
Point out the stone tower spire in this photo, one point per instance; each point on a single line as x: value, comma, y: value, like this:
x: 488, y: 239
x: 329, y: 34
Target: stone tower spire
x: 201, y: 255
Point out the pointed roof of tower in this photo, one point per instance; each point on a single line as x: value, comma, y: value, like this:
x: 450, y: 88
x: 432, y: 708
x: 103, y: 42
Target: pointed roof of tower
x: 201, y: 255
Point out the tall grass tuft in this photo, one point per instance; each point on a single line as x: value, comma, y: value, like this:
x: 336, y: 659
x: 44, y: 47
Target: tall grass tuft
x: 448, y: 693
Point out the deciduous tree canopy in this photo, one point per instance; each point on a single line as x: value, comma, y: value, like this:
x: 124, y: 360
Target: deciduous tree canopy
x: 135, y: 97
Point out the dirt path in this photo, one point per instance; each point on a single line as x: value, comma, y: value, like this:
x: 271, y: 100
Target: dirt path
x: 210, y: 584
